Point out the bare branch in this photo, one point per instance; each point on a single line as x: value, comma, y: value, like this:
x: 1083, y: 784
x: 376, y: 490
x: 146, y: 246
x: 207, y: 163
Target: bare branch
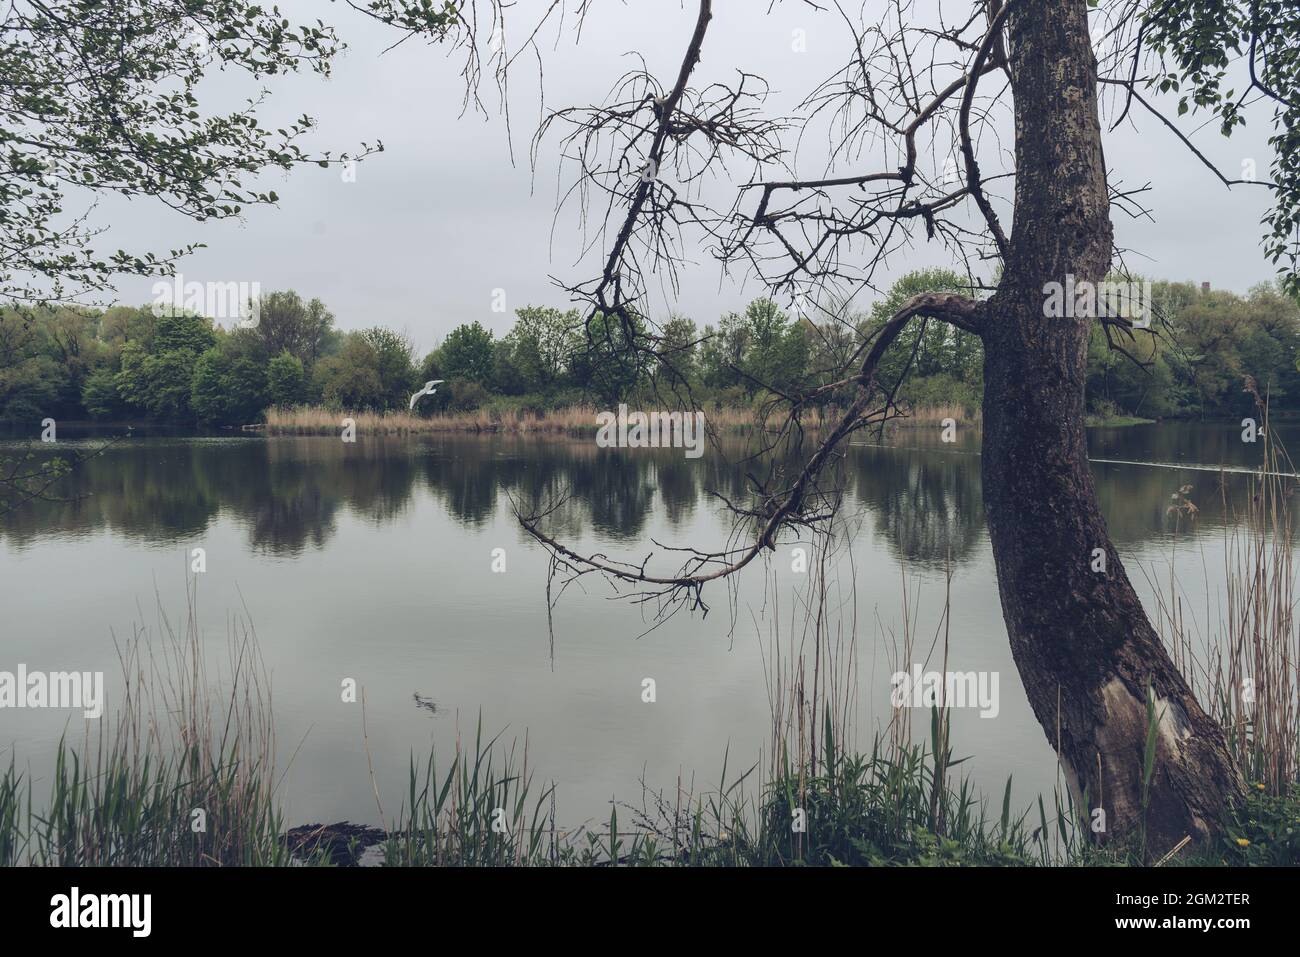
x: 773, y: 511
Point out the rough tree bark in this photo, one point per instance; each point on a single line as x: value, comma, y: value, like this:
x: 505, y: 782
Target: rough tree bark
x: 1083, y: 644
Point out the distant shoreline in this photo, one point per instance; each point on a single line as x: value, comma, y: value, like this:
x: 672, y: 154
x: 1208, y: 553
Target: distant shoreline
x: 567, y: 421
x: 571, y: 420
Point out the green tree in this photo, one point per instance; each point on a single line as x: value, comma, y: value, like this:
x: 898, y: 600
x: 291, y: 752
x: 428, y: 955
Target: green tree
x: 208, y: 386
x: 104, y: 95
x: 158, y: 380
x: 722, y: 355
x: 1269, y: 349
x: 679, y: 349
x: 467, y: 353
x: 508, y: 376
x: 776, y: 349
x: 541, y: 342
x: 166, y: 382
x: 30, y: 380
x: 430, y: 368
x: 29, y: 389
x: 350, y: 379
x: 394, y: 365
x: 287, y: 324
x: 68, y: 336
x: 100, y: 397
x: 1208, y: 336
x: 227, y: 388
x: 119, y: 325
x: 130, y: 376
x: 1197, y: 41
x: 285, y: 379
x: 182, y: 331
x: 605, y: 363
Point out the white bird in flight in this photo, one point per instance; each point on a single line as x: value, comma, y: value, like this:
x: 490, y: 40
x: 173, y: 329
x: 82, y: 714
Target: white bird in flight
x: 427, y: 390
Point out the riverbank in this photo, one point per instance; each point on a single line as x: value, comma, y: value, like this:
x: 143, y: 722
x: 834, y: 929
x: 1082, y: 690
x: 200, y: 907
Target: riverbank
x: 570, y: 420
x: 1115, y: 421
x: 936, y: 416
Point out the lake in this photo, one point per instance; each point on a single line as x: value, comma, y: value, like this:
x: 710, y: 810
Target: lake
x: 375, y: 561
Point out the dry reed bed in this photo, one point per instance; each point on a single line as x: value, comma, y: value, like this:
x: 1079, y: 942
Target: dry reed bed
x: 933, y: 415
x: 574, y: 420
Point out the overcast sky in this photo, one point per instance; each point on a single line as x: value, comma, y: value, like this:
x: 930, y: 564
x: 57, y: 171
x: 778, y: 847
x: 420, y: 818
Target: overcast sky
x: 442, y: 218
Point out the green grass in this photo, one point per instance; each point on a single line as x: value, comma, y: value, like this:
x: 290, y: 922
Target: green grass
x: 1115, y: 421
x: 120, y: 813
x: 182, y: 775
x: 482, y: 809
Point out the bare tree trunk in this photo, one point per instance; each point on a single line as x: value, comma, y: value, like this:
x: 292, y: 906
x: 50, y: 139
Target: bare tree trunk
x: 1081, y: 640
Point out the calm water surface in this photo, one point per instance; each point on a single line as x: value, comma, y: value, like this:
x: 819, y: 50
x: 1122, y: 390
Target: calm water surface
x: 373, y: 561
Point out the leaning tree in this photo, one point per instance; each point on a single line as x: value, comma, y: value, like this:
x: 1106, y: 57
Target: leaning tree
x: 978, y: 126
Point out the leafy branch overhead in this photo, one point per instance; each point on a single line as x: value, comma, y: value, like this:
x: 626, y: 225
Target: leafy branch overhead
x: 100, y: 97
x: 1199, y: 47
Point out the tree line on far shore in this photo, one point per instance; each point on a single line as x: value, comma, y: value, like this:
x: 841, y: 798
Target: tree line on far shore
x: 126, y: 363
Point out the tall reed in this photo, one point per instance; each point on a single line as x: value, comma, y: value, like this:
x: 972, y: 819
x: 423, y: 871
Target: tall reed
x: 1245, y: 667
x: 182, y: 773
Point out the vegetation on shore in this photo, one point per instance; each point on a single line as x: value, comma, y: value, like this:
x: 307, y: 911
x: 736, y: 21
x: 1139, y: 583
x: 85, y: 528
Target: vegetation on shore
x: 170, y: 366
x: 181, y: 775
x: 1105, y: 421
x: 503, y: 417
x: 581, y: 420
